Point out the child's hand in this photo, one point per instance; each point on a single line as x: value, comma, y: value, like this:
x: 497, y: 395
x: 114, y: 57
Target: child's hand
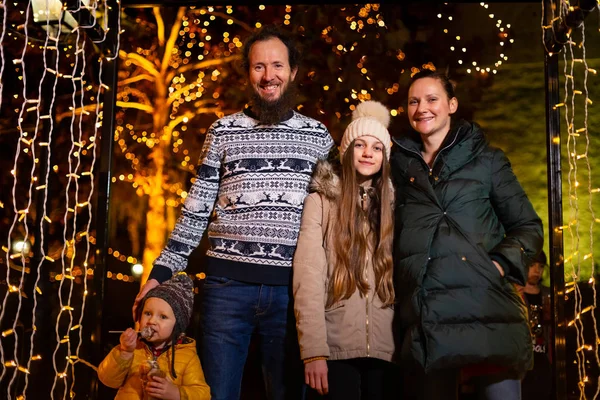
x: 315, y: 376
x: 162, y: 388
x: 128, y: 340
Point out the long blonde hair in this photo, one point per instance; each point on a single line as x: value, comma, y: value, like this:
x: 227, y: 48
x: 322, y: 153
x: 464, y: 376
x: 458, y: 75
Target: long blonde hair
x: 351, y: 239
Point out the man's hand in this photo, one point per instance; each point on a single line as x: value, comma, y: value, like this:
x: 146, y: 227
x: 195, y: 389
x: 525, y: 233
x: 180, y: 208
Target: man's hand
x: 500, y: 269
x: 315, y: 376
x: 162, y: 388
x: 149, y: 285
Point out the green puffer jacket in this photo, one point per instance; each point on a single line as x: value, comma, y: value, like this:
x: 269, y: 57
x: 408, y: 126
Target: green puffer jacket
x: 454, y: 307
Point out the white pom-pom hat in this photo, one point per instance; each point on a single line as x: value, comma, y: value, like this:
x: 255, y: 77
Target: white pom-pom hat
x: 370, y: 118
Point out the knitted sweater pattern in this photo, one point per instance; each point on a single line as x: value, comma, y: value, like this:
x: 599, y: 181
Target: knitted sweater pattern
x: 255, y: 177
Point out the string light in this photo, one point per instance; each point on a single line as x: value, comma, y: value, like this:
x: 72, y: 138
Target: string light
x: 2, y: 58
x: 576, y: 155
x: 456, y: 44
x: 45, y: 197
x: 19, y: 215
x: 77, y: 201
x: 135, y: 265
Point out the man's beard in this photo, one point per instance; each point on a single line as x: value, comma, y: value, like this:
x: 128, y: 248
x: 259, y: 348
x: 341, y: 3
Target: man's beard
x: 272, y: 112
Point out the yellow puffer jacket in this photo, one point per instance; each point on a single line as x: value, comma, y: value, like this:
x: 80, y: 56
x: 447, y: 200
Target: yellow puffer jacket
x: 125, y: 375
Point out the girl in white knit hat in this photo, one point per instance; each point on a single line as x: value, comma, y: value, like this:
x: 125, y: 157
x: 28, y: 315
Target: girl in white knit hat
x: 343, y: 291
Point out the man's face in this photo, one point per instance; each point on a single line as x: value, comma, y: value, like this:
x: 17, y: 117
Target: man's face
x: 536, y: 271
x: 270, y: 71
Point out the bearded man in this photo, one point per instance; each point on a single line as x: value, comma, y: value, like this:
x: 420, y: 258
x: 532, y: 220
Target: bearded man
x: 254, y: 173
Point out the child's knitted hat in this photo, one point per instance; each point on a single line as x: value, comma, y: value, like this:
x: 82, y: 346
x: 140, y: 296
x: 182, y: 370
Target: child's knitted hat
x: 370, y: 118
x: 178, y: 292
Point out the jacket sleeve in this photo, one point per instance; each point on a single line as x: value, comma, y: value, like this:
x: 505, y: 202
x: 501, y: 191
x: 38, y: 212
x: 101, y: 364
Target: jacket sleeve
x: 310, y: 271
x: 194, y: 386
x: 195, y: 214
x: 113, y: 370
x: 523, y: 228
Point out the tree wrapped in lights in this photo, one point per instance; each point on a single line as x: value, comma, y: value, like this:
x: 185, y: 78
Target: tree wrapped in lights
x: 169, y: 80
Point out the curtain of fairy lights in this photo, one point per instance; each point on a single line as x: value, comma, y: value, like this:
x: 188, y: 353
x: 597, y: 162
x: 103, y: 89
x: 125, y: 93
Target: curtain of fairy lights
x: 581, y: 208
x: 55, y: 105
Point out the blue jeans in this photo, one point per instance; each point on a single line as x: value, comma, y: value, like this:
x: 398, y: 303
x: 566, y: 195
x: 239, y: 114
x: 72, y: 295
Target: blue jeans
x: 498, y: 387
x: 231, y: 312
x: 443, y: 385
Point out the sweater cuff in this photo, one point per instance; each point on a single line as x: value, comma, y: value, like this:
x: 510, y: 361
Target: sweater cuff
x: 160, y: 273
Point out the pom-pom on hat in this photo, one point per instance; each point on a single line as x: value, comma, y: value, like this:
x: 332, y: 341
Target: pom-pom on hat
x: 178, y: 292
x: 370, y: 118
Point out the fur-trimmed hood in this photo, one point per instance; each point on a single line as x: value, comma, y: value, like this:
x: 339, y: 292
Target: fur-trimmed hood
x: 326, y: 180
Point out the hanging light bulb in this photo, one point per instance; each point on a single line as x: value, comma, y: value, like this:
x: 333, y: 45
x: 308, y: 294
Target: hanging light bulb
x: 137, y: 270
x: 51, y: 11
x: 21, y: 246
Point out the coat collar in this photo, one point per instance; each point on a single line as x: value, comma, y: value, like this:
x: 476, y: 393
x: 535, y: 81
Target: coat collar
x: 326, y: 180
x: 463, y: 143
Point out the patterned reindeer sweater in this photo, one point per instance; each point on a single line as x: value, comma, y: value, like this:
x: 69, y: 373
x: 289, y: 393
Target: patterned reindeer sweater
x: 255, y: 177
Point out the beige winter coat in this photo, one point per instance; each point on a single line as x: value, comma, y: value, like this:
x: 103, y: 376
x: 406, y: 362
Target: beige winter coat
x: 352, y: 328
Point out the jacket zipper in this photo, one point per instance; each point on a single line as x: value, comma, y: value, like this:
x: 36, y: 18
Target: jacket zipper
x: 367, y: 312
x: 436, y: 156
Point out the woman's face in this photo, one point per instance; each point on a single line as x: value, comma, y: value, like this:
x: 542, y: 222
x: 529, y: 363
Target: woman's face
x: 429, y: 108
x: 368, y: 157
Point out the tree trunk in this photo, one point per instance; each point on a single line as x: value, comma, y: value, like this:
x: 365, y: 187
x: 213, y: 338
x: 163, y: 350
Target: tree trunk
x: 156, y: 218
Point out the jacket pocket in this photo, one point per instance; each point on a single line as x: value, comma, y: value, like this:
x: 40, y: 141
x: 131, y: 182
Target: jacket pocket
x: 335, y: 306
x: 489, y: 263
x: 338, y: 325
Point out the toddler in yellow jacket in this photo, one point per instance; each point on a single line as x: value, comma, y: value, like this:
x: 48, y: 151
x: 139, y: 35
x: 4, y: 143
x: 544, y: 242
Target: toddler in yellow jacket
x: 163, y: 364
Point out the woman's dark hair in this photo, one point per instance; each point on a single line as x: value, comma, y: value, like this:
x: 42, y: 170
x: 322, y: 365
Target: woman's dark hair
x: 443, y: 78
x: 268, y: 32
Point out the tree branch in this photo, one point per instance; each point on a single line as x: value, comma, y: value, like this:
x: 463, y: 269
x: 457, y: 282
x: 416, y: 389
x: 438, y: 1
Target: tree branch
x: 227, y: 16
x: 172, y: 39
x: 139, y: 106
x: 136, y: 78
x: 177, y: 94
x: 140, y: 62
x: 199, y: 103
x: 160, y: 25
x: 208, y: 63
x: 137, y: 93
x: 179, y: 119
x: 77, y: 111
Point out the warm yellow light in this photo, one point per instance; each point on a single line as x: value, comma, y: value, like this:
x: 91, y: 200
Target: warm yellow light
x: 137, y: 270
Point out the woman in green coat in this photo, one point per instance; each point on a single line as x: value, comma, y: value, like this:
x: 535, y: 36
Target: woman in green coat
x: 464, y: 232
